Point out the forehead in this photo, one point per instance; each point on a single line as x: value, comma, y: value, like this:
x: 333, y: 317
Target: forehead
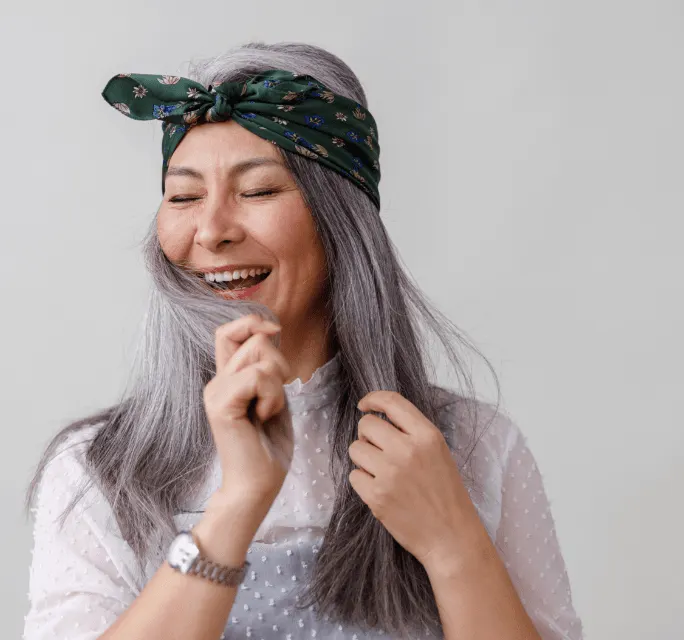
x: 225, y: 143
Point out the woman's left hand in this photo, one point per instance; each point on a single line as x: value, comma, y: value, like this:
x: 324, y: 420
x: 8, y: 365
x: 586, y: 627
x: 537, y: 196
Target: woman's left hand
x: 411, y: 483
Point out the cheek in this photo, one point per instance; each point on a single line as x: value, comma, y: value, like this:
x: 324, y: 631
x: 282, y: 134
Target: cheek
x: 295, y: 240
x: 175, y: 235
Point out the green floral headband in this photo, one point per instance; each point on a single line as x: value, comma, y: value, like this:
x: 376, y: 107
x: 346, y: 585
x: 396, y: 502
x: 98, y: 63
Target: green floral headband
x: 295, y: 112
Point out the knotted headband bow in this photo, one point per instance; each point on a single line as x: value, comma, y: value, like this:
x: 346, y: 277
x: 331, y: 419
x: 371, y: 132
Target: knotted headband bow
x: 295, y: 112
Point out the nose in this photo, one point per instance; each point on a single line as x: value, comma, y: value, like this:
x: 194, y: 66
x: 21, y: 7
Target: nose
x: 217, y: 223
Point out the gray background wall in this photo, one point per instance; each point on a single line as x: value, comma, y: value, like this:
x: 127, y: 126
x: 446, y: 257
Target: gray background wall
x: 545, y: 219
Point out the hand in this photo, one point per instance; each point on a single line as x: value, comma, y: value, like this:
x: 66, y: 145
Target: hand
x: 246, y: 391
x: 410, y: 481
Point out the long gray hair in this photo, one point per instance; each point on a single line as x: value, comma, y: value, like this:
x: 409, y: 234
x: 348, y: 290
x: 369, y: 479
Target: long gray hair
x: 154, y: 447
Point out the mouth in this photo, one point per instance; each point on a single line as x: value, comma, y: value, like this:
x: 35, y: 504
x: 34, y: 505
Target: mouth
x: 240, y: 288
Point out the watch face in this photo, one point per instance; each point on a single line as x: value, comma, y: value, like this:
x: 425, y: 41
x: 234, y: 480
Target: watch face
x: 182, y: 552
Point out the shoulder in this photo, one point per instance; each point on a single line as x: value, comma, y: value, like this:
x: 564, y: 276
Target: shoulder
x: 74, y: 445
x: 64, y: 487
x: 71, y: 514
x: 482, y: 437
x: 475, y: 424
x: 65, y: 463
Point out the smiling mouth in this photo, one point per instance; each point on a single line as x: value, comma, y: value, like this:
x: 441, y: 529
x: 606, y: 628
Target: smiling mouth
x: 236, y: 285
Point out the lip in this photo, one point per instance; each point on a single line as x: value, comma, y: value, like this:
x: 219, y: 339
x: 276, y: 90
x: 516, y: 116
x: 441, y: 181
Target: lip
x: 232, y: 267
x: 239, y: 294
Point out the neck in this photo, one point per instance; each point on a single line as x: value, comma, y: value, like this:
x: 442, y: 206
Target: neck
x: 307, y: 348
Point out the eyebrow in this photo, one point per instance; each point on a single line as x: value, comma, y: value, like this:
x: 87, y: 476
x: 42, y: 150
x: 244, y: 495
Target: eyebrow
x: 235, y: 170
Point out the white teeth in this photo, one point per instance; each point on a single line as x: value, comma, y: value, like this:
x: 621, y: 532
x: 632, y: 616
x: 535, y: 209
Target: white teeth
x: 227, y: 276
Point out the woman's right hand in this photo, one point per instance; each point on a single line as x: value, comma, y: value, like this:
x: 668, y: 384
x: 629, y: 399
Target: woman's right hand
x: 254, y: 442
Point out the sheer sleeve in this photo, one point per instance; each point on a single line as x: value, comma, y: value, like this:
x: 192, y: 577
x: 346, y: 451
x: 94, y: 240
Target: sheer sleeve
x: 77, y: 587
x: 527, y: 543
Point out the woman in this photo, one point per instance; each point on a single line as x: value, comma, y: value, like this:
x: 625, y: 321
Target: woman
x: 237, y: 489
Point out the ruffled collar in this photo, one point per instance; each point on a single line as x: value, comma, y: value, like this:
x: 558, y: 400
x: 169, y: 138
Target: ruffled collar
x: 318, y: 391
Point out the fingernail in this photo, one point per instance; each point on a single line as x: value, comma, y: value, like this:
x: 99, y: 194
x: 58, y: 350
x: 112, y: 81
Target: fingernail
x: 272, y: 325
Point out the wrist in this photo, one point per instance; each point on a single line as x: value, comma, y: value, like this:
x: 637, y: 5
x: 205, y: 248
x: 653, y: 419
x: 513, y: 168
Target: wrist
x: 465, y: 556
x: 225, y: 531
x: 476, y: 596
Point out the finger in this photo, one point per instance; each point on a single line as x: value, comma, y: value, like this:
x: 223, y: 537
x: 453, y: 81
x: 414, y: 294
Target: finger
x: 362, y: 482
x: 231, y: 335
x: 255, y: 348
x: 366, y: 456
x: 258, y: 380
x: 380, y: 433
x: 232, y: 426
x: 401, y: 412
x: 269, y: 390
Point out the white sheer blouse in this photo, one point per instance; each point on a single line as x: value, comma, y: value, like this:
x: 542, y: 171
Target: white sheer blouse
x: 84, y: 575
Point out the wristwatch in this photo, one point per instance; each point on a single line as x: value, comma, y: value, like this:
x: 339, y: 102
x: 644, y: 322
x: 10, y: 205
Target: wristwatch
x: 185, y: 556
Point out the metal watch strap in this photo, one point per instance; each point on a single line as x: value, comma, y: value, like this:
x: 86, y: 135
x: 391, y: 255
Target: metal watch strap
x: 221, y: 574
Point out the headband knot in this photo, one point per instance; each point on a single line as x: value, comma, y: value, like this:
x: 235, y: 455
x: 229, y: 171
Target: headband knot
x: 293, y: 111
x: 222, y: 109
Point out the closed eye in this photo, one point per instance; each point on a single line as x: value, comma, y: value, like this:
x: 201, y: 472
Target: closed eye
x: 260, y: 193
x: 256, y: 194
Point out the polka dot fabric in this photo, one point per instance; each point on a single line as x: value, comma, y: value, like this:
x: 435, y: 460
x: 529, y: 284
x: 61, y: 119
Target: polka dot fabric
x: 83, y: 576
x: 530, y: 550
x: 78, y: 581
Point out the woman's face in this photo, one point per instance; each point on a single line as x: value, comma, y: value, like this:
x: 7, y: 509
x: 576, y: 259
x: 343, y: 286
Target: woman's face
x: 241, y: 206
